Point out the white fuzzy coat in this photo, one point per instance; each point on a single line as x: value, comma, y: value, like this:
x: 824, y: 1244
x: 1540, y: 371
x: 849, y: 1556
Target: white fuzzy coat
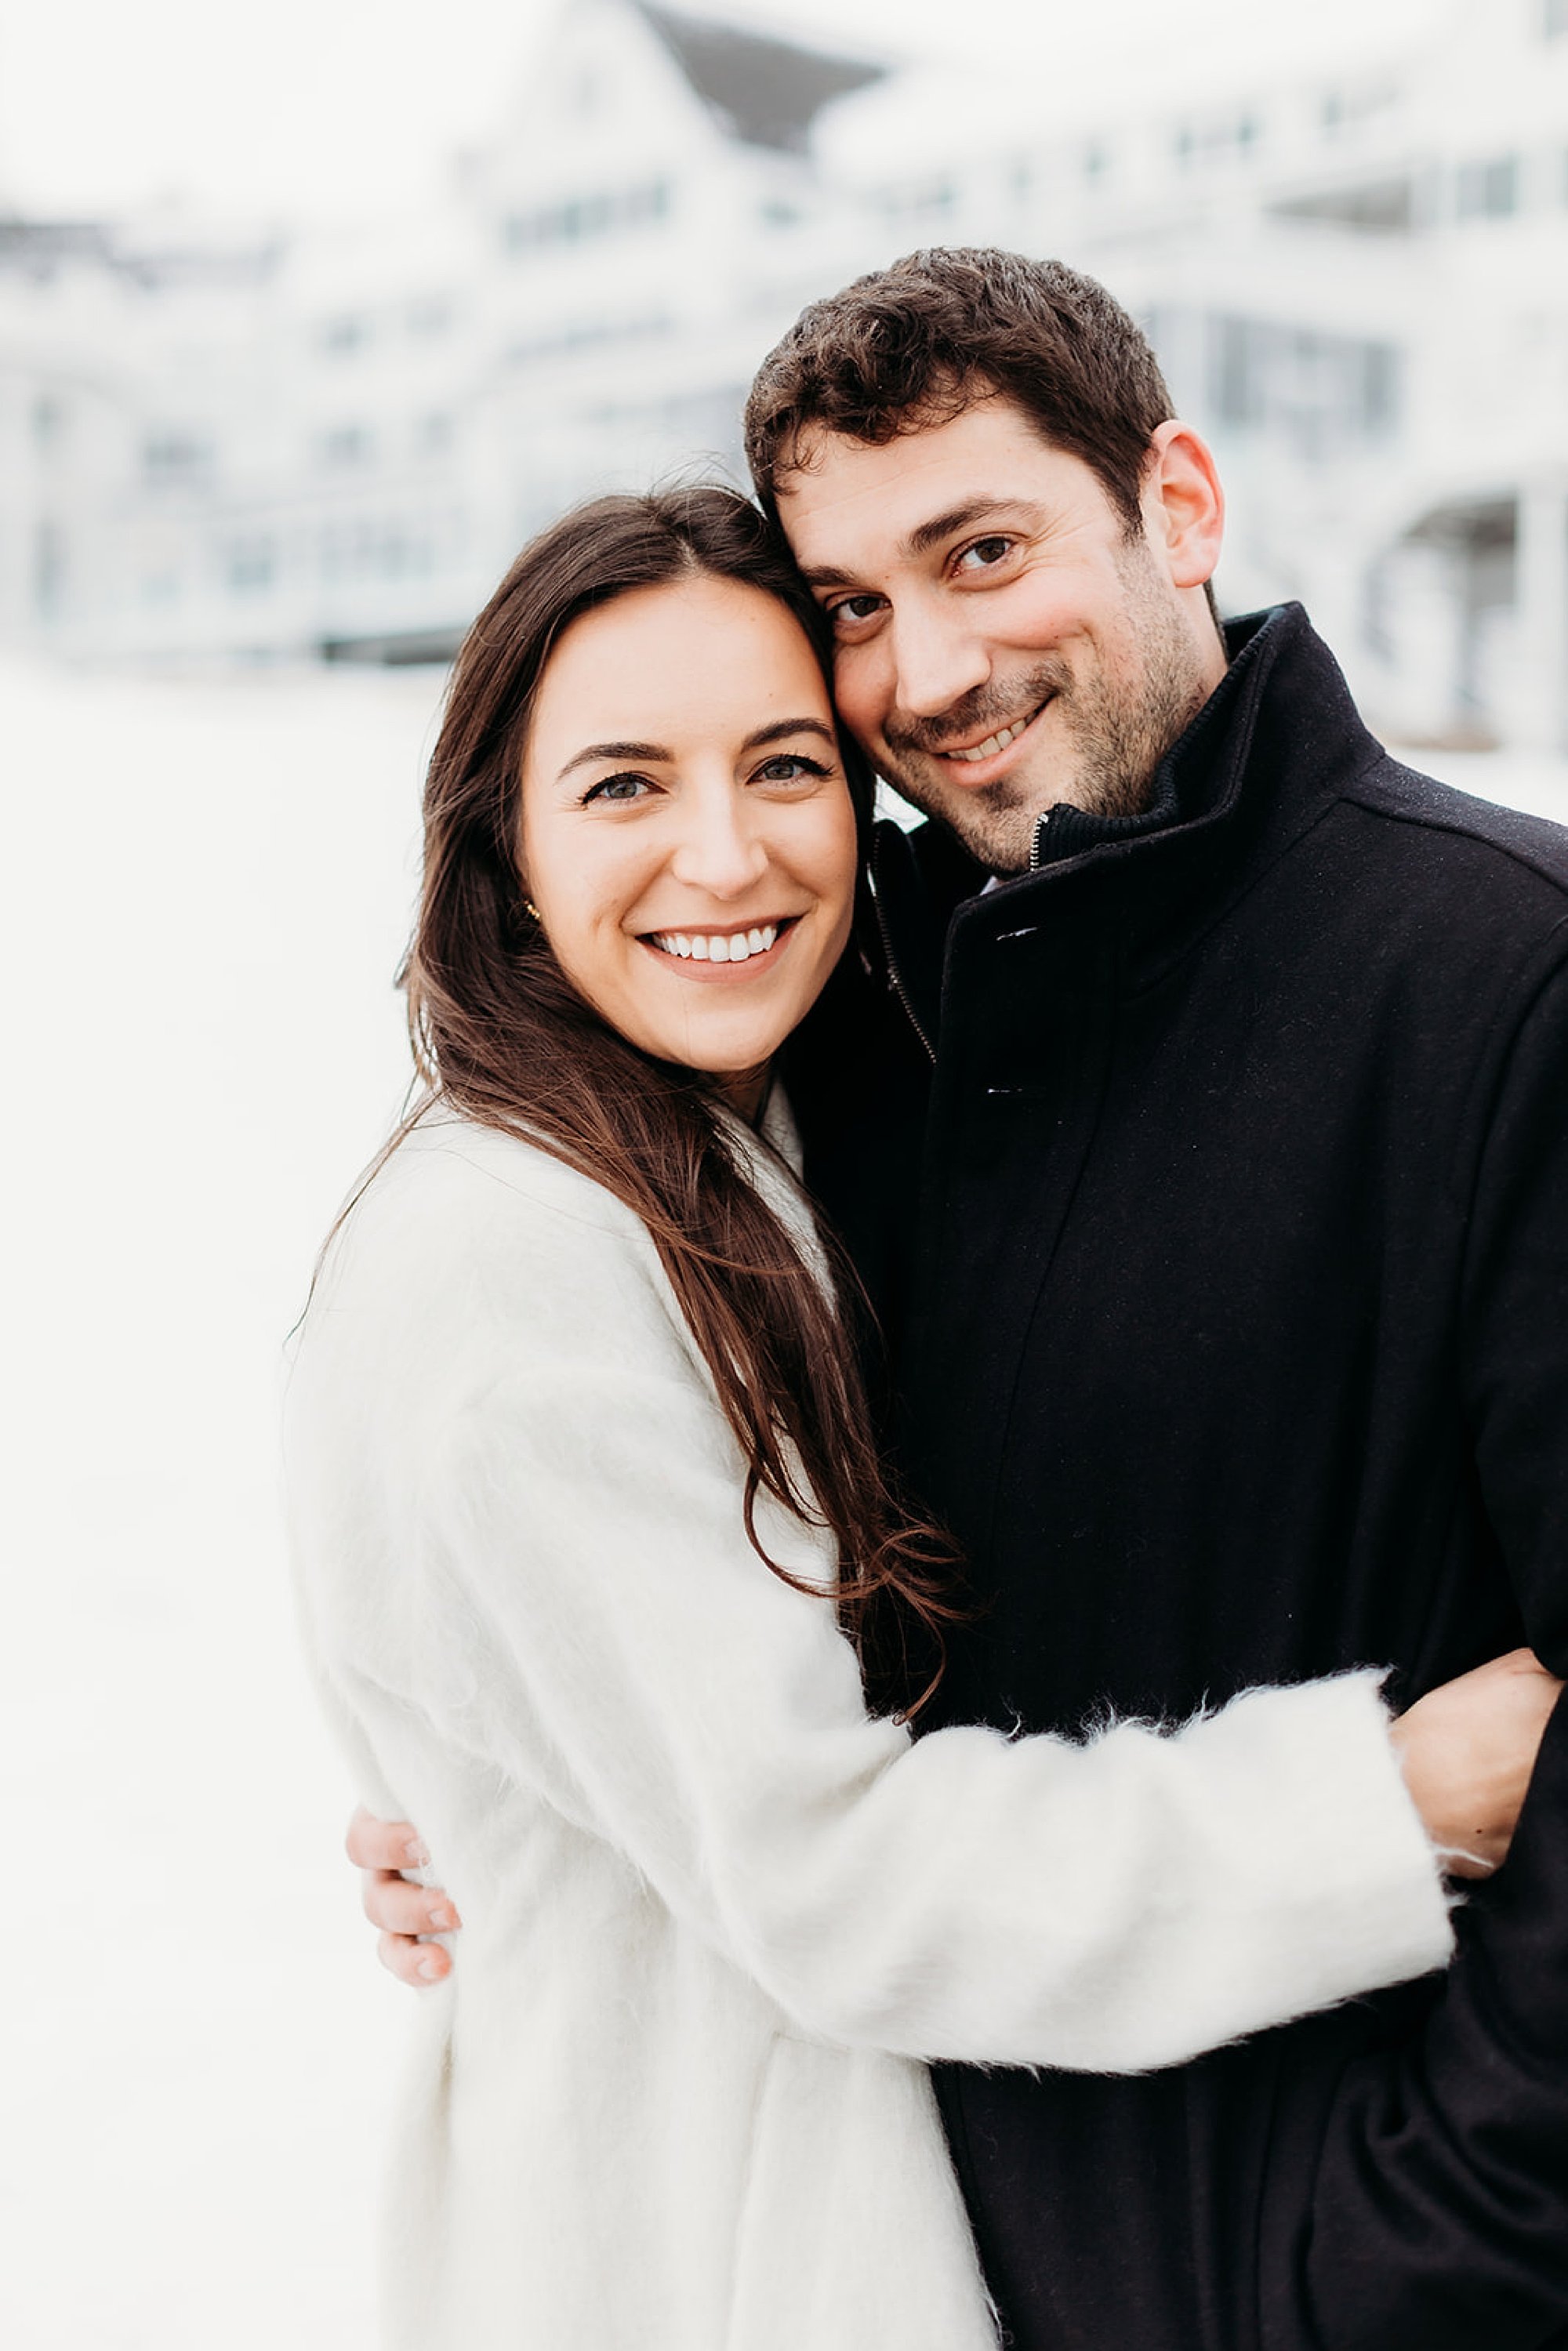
x: 669, y: 2098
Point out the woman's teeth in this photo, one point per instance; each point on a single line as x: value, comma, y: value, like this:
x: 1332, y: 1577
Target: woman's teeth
x: 995, y: 743
x: 717, y: 947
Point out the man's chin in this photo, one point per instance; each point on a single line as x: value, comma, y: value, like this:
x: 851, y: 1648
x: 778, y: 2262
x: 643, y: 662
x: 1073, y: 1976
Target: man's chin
x: 995, y: 822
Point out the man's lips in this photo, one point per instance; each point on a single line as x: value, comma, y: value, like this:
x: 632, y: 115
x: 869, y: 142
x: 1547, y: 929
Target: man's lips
x: 989, y: 755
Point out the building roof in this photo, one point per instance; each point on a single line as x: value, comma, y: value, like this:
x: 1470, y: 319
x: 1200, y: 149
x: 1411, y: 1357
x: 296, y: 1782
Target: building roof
x: 765, y: 91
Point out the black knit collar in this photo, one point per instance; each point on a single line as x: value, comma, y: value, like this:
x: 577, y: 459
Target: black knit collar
x: 1180, y: 790
x: 1264, y: 755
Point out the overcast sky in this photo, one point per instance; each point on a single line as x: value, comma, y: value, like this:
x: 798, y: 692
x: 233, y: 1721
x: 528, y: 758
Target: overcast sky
x: 305, y: 106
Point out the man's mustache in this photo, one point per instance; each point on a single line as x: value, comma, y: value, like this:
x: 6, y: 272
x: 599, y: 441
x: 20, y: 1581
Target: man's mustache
x: 975, y: 715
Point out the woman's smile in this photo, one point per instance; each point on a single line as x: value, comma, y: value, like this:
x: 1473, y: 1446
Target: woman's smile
x: 737, y: 952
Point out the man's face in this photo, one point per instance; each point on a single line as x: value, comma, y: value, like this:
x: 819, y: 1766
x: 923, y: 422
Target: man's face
x: 1003, y: 641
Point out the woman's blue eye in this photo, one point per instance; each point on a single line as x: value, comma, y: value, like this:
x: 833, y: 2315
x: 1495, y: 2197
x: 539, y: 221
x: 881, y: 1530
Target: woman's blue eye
x: 788, y: 767
x: 619, y: 789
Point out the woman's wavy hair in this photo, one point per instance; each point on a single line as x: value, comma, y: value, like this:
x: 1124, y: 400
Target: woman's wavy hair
x: 501, y: 1035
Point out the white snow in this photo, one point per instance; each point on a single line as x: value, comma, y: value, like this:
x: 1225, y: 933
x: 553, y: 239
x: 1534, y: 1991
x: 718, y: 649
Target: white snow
x: 207, y: 886
x: 206, y: 889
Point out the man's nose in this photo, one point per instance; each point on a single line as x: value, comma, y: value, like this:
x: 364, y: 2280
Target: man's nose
x: 937, y: 659
x: 720, y: 850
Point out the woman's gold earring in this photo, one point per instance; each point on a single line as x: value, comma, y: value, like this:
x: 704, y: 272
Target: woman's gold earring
x: 530, y: 908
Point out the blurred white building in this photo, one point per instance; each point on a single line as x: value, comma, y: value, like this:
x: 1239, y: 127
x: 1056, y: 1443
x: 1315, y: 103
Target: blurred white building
x: 1358, y: 283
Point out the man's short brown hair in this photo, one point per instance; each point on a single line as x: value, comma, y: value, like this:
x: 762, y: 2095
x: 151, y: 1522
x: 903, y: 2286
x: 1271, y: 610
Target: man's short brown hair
x: 921, y: 341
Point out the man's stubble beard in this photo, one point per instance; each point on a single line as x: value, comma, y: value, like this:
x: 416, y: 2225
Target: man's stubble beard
x: 1120, y: 725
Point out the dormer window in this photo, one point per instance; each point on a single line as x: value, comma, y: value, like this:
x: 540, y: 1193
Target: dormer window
x: 1488, y: 189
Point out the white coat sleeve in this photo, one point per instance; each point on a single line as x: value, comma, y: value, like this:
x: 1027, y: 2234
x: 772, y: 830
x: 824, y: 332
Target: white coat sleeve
x: 1107, y: 1906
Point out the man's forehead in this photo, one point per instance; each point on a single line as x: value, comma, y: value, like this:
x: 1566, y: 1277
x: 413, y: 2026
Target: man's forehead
x: 844, y: 500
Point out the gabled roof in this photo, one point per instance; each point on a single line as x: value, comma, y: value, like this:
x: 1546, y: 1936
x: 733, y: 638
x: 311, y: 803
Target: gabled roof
x: 764, y: 91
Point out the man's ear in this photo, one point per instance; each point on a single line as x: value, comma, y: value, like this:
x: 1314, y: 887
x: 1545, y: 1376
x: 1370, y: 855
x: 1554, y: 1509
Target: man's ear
x: 1184, y: 505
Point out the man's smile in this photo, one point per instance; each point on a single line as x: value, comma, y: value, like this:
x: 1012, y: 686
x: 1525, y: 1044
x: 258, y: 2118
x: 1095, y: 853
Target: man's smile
x: 1000, y: 739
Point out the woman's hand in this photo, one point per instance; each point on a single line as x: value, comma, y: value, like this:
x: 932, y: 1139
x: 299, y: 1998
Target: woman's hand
x: 381, y: 1850
x: 1467, y: 1748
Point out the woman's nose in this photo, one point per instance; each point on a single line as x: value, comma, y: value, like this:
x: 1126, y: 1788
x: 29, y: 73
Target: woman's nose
x: 720, y: 850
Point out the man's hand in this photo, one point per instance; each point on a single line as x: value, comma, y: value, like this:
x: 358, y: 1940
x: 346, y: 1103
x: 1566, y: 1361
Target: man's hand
x: 1468, y: 1750
x: 381, y: 1850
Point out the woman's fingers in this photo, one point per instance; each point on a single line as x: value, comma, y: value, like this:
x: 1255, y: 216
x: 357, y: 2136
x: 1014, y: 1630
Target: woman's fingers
x: 383, y: 1845
x: 400, y: 1908
x: 418, y: 1965
x: 403, y: 1910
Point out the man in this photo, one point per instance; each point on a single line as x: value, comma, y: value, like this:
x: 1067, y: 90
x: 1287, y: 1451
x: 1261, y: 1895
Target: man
x: 1228, y: 1310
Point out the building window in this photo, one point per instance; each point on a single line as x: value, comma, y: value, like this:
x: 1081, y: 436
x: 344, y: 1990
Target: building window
x: 341, y: 336
x: 1096, y: 163
x: 1345, y: 111
x: 377, y: 547
x: 431, y: 315
x: 579, y: 219
x: 345, y: 445
x: 1318, y: 391
x: 175, y: 456
x: 1487, y: 190
x: 1554, y: 18
x: 252, y: 565
x: 927, y: 198
x: 1230, y: 138
x: 580, y: 335
x: 50, y: 419
x: 433, y: 434
x: 50, y: 569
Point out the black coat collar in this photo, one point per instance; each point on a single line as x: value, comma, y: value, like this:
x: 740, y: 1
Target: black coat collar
x: 1268, y: 751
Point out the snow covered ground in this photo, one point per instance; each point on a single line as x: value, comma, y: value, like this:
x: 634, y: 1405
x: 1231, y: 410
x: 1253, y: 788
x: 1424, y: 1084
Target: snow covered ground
x: 206, y: 889
x: 207, y: 884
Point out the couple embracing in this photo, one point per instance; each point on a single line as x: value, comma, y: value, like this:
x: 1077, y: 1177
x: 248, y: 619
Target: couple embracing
x: 933, y: 1461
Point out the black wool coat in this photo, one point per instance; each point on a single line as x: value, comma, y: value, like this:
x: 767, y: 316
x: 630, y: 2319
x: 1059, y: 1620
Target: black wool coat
x: 1222, y: 1245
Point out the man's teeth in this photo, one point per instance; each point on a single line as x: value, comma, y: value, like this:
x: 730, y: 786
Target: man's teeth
x: 995, y: 743
x: 717, y: 947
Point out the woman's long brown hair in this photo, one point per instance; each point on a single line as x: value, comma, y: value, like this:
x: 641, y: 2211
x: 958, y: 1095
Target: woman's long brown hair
x: 501, y: 1035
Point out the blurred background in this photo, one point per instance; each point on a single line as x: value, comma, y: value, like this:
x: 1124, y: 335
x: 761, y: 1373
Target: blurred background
x: 308, y: 317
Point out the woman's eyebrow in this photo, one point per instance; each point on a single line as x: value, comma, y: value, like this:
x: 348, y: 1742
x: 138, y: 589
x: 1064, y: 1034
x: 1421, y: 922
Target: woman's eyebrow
x: 614, y: 751
x: 782, y: 728
x: 775, y: 732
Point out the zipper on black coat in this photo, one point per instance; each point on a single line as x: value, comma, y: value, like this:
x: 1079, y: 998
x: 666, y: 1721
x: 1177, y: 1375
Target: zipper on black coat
x: 896, y: 980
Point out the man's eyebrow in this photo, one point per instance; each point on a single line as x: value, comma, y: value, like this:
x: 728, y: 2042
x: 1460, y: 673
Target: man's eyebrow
x: 614, y: 751
x: 927, y: 535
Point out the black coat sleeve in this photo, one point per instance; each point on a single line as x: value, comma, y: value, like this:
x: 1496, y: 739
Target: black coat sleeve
x: 1439, y: 2220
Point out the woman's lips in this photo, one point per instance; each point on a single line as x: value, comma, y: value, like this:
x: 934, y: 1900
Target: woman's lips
x: 764, y: 943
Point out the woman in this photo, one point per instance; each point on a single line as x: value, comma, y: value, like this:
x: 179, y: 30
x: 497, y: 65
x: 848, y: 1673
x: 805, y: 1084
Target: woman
x: 585, y: 1504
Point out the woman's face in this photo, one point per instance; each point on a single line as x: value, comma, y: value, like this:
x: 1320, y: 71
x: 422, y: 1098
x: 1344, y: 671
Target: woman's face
x: 687, y: 832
